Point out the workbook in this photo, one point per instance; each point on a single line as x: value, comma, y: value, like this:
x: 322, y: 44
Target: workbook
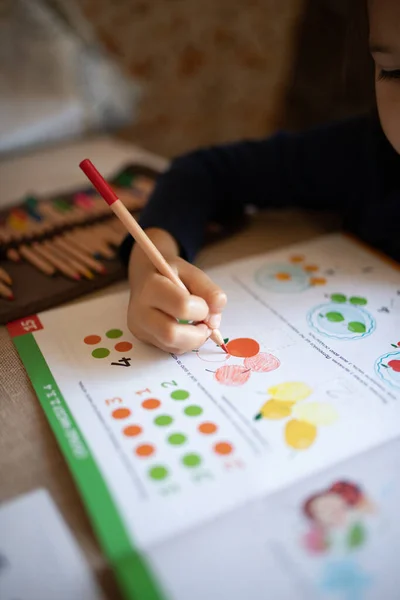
x: 269, y: 471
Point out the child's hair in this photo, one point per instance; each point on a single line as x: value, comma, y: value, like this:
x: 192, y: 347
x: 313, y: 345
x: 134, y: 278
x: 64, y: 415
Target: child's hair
x: 332, y: 76
x: 349, y: 492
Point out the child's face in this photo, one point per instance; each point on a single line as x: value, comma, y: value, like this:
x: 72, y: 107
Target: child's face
x: 384, y: 21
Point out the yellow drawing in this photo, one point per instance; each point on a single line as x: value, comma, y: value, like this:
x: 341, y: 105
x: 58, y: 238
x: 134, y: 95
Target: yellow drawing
x: 285, y: 401
x: 300, y: 434
x: 292, y: 391
x: 316, y: 413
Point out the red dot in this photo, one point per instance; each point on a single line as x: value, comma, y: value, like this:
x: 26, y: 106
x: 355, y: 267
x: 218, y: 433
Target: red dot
x: 91, y: 340
x: 132, y: 430
x: 145, y: 450
x: 121, y: 413
x: 223, y: 448
x: 151, y: 403
x: 207, y: 428
x: 123, y: 346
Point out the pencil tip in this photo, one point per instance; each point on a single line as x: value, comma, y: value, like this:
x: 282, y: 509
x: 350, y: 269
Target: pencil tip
x: 224, y: 348
x: 11, y: 297
x: 77, y: 277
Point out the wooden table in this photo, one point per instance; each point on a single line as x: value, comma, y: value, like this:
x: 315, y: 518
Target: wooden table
x: 29, y: 455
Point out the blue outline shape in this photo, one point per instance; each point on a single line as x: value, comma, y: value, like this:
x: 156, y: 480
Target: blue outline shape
x: 379, y: 362
x: 368, y: 318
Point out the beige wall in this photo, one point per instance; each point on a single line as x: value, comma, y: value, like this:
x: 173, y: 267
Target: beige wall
x: 211, y: 70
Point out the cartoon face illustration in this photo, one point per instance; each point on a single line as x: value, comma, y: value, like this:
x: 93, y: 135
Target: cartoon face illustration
x: 327, y: 510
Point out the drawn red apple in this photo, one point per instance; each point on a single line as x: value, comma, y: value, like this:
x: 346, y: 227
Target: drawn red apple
x: 233, y: 375
x: 243, y: 347
x: 395, y: 365
x: 263, y: 362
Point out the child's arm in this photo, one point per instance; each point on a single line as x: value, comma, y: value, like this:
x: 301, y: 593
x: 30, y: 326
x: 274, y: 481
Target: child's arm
x: 315, y: 170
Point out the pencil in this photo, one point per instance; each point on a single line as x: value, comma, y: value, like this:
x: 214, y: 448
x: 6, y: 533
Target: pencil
x: 72, y: 262
x: 5, y: 292
x: 90, y: 262
x: 137, y: 233
x: 36, y: 260
x: 58, y: 263
x: 12, y: 254
x: 4, y: 276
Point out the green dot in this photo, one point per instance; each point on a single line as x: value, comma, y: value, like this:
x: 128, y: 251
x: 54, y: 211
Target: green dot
x: 114, y: 333
x: 158, y: 473
x: 193, y: 410
x: 180, y: 395
x: 338, y: 298
x: 334, y: 317
x: 191, y: 460
x: 356, y: 327
x: 100, y: 353
x: 163, y: 420
x: 176, y: 439
x: 358, y: 300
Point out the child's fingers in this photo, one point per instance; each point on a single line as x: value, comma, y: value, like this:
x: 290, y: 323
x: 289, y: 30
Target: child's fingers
x: 172, y: 336
x: 201, y: 285
x: 167, y: 297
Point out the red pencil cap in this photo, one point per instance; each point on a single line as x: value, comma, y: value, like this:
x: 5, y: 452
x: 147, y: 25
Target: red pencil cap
x: 98, y: 181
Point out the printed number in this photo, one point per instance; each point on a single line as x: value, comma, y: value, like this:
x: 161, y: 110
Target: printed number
x: 28, y: 325
x: 48, y: 387
x: 140, y: 392
x: 123, y: 362
x: 169, y: 384
x: 52, y: 394
x: 113, y: 400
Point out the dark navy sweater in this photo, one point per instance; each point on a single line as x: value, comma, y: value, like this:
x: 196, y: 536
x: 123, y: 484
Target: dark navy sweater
x: 347, y: 167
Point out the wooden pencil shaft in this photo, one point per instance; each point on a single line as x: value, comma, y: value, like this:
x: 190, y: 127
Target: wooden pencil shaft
x: 36, y: 260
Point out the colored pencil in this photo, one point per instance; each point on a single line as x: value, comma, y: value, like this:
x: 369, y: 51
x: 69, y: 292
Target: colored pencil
x: 90, y: 262
x: 57, y: 262
x: 5, y: 292
x: 137, y: 233
x: 72, y: 262
x: 13, y: 255
x: 4, y: 276
x: 36, y: 261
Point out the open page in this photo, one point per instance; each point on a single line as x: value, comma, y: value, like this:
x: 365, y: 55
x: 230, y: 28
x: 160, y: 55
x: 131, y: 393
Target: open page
x: 162, y: 445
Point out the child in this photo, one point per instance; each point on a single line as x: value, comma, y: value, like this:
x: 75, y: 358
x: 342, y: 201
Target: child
x: 351, y: 167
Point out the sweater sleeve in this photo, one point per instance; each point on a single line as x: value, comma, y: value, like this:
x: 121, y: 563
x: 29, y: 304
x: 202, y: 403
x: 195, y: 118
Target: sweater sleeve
x: 313, y: 170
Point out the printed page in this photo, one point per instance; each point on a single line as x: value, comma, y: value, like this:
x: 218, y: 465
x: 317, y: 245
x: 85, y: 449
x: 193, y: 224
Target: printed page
x: 332, y: 536
x: 312, y: 378
x: 39, y: 559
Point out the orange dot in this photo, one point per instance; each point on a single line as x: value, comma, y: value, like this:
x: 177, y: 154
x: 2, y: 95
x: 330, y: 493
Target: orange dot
x: 311, y: 268
x: 151, y: 403
x: 223, y: 448
x: 121, y: 413
x: 123, y: 346
x: 145, y: 450
x: 318, y: 281
x: 207, y: 428
x: 297, y: 259
x: 91, y: 340
x: 132, y: 430
x: 243, y: 347
x: 283, y: 276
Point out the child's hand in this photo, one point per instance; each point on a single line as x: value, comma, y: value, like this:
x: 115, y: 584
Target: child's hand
x: 156, y: 303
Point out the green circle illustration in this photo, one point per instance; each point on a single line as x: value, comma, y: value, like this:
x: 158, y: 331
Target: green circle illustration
x: 356, y: 327
x: 193, y: 410
x: 180, y: 395
x: 340, y: 298
x: 114, y: 333
x: 176, y: 439
x: 100, y: 353
x: 334, y: 317
x: 191, y: 460
x: 358, y: 301
x: 158, y: 473
x: 163, y: 420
